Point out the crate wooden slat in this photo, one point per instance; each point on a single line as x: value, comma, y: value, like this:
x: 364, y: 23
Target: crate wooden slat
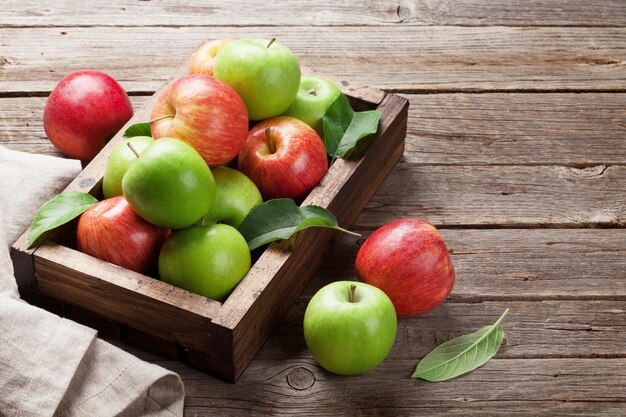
x: 221, y: 338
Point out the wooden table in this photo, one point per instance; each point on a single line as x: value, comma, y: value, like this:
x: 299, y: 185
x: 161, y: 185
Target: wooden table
x: 515, y: 150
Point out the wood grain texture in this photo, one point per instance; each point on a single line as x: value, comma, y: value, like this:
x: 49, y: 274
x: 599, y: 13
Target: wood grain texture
x: 548, y: 329
x: 509, y: 196
x: 515, y: 264
x: 554, y: 387
x: 428, y: 59
x: 318, y: 13
x: 486, y: 129
x: 468, y: 129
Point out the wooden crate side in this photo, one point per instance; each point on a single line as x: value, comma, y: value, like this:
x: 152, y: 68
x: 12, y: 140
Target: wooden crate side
x: 22, y: 259
x: 125, y: 296
x: 285, y: 268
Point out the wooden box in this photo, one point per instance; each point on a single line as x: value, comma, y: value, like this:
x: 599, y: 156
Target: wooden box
x: 221, y: 338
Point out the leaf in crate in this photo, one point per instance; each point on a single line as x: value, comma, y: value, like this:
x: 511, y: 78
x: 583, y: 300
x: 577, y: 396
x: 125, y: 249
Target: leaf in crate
x: 343, y: 127
x: 57, y: 211
x: 280, y: 219
x: 138, y: 129
x: 462, y: 354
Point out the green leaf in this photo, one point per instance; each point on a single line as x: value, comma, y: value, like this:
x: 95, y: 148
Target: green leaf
x: 462, y: 354
x: 343, y: 127
x: 57, y: 211
x: 280, y: 219
x: 138, y: 129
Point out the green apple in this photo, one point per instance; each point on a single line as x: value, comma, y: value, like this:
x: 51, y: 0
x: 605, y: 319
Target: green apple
x: 265, y: 73
x: 118, y: 163
x: 236, y: 195
x: 349, y: 327
x: 207, y: 260
x: 169, y: 184
x: 315, y: 96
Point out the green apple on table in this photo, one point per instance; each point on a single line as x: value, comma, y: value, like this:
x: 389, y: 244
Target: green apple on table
x: 169, y: 184
x: 315, y: 96
x: 265, y: 73
x: 349, y: 327
x: 236, y: 195
x: 121, y: 158
x: 207, y: 260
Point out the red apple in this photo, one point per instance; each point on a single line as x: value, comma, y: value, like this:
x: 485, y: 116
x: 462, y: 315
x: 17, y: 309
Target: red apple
x: 84, y: 111
x: 409, y: 261
x: 203, y: 60
x: 113, y: 232
x: 284, y: 157
x: 204, y: 112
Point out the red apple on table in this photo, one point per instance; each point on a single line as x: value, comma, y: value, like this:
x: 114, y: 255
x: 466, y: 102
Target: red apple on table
x: 284, y: 157
x: 409, y: 261
x: 204, y: 112
x: 84, y: 111
x: 113, y: 232
x: 203, y: 60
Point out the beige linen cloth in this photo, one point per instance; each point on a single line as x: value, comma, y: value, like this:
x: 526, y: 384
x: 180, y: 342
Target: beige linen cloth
x: 50, y: 366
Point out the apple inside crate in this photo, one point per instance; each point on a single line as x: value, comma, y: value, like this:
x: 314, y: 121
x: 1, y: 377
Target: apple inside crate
x: 220, y: 338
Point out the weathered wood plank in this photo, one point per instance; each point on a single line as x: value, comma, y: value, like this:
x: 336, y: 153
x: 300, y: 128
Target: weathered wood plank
x: 554, y: 387
x: 520, y: 196
x: 319, y: 13
x: 515, y: 264
x: 547, y: 329
x: 416, y: 58
x: 564, y: 129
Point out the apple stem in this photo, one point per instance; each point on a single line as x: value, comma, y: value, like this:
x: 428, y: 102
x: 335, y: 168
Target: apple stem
x: 348, y: 232
x: 132, y: 148
x: 161, y: 118
x: 270, y: 142
x: 271, y: 42
x: 352, y: 293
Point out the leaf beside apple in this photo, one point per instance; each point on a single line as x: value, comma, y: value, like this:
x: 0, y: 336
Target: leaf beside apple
x: 462, y: 354
x: 57, y: 211
x: 344, y: 128
x: 138, y: 129
x: 281, y: 218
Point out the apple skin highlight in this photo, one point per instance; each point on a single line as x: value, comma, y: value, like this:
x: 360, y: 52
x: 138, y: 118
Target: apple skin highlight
x: 409, y: 261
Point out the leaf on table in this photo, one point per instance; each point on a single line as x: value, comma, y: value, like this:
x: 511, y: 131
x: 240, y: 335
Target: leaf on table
x: 462, y: 354
x: 57, y: 211
x: 343, y: 127
x: 138, y: 129
x: 280, y: 218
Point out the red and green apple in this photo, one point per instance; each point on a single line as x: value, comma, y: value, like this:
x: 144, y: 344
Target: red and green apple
x: 409, y: 261
x: 203, y: 60
x: 203, y: 112
x: 113, y: 232
x: 284, y: 157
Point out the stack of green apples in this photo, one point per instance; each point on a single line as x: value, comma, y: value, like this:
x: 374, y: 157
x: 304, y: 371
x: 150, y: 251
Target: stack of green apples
x: 173, y: 200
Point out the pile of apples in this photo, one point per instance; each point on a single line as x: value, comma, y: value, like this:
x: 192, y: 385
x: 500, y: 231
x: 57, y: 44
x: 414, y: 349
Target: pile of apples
x: 173, y: 200
x: 242, y: 127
